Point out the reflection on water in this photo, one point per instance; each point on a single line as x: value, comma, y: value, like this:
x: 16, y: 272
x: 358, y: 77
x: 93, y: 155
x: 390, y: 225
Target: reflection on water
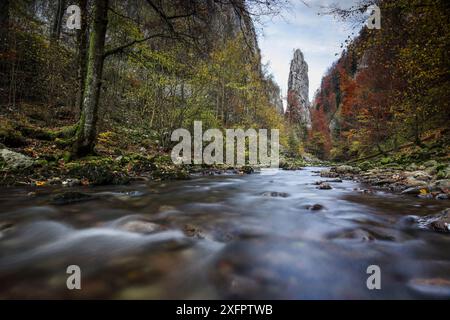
x: 258, y: 237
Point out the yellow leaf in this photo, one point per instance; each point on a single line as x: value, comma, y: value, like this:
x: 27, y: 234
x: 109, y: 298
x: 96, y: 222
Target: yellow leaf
x: 423, y: 191
x: 40, y: 183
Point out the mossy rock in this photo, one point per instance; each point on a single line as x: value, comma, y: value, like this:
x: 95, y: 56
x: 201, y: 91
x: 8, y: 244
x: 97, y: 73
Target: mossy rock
x: 170, y: 174
x: 99, y: 172
x: 366, y: 165
x: 431, y: 163
x: 9, y: 136
x: 385, y: 160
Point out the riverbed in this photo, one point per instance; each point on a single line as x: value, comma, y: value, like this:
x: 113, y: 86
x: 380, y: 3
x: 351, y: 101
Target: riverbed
x: 273, y: 235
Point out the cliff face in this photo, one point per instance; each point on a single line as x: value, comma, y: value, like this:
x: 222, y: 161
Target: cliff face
x: 274, y: 92
x: 298, y: 88
x: 228, y: 23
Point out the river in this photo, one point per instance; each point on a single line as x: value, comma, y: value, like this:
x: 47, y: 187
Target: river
x: 260, y: 236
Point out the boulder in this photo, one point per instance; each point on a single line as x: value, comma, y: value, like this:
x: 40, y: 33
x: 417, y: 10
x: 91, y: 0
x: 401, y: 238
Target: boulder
x: 421, y: 175
x: 440, y: 185
x: 412, y: 182
x: 14, y: 160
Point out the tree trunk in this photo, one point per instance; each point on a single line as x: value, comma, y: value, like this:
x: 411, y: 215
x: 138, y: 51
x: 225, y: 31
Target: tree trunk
x: 82, y: 39
x: 87, y: 125
x: 57, y: 22
x: 4, y: 45
x: 4, y: 24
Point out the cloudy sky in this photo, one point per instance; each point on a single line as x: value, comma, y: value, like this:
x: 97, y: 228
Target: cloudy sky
x: 318, y: 36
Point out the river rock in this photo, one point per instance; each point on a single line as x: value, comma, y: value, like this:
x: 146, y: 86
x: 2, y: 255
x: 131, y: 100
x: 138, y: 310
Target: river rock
x: 328, y: 174
x: 70, y: 197
x: 140, y: 226
x: 420, y: 175
x: 71, y: 183
x: 275, y: 194
x: 413, y: 190
x: 412, y: 182
x: 193, y: 231
x: 442, y: 196
x: 440, y: 186
x: 315, y: 207
x: 14, y: 160
x: 439, y: 222
x: 324, y: 186
x: 346, y: 169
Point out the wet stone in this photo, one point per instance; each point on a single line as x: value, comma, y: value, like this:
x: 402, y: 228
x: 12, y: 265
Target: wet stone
x: 315, y: 207
x: 140, y: 226
x: 324, y: 186
x: 70, y: 197
x: 274, y: 194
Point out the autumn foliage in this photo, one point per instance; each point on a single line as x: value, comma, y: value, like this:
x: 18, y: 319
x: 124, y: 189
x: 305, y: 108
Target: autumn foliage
x: 389, y: 87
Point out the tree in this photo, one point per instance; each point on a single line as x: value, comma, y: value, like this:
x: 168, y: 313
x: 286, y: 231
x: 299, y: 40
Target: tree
x: 82, y: 39
x: 57, y: 20
x: 174, y: 17
x: 87, y: 126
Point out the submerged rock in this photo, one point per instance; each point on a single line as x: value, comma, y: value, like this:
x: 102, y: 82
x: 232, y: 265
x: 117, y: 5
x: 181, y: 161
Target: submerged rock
x: 315, y: 207
x: 275, y: 194
x: 70, y: 197
x: 439, y: 222
x: 442, y: 196
x: 140, y: 226
x: 324, y: 186
x: 193, y: 231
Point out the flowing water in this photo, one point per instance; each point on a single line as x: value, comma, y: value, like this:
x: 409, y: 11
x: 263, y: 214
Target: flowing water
x: 259, y: 236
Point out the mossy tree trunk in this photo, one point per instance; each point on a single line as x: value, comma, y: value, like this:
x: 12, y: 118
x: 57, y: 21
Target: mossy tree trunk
x: 87, y: 125
x: 82, y: 39
x: 4, y: 45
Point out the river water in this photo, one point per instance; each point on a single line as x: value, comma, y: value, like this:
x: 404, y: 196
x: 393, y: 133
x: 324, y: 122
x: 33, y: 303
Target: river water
x: 261, y: 236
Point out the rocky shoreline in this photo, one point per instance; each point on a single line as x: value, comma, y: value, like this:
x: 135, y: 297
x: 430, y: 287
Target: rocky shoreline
x: 423, y: 181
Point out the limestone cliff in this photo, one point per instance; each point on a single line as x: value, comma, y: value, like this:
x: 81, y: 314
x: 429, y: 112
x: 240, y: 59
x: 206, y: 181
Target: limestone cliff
x: 298, y: 109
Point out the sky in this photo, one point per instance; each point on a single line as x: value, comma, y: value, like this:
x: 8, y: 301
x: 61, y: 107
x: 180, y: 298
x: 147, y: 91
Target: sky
x: 319, y: 37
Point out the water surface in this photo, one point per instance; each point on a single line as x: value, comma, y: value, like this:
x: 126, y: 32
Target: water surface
x: 253, y: 237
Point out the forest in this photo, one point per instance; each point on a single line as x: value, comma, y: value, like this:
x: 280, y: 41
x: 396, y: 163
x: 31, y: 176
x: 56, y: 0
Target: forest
x: 97, y: 201
x: 389, y: 88
x: 133, y: 73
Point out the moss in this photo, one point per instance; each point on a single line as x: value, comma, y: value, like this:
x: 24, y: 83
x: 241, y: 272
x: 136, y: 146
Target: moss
x: 9, y: 136
x: 66, y: 132
x: 385, y: 160
x: 41, y: 163
x: 97, y: 172
x: 2, y: 163
x: 37, y: 133
x: 366, y: 165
